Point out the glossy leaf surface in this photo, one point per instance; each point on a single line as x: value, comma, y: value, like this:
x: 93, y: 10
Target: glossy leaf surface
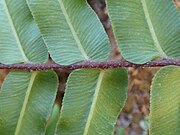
x: 26, y: 100
x: 146, y: 29
x: 93, y: 99
x: 165, y: 102
x: 20, y: 39
x: 71, y: 30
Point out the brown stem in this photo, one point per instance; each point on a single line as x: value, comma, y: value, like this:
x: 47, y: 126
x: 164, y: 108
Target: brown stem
x: 90, y: 64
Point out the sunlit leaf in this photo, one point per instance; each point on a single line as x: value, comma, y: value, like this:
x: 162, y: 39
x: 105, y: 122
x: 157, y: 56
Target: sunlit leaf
x: 165, y: 102
x: 146, y: 29
x: 93, y: 99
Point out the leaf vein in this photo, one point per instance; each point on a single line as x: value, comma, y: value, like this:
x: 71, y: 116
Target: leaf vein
x: 151, y: 28
x: 73, y: 30
x: 14, y: 31
x: 22, y: 113
x: 92, y: 109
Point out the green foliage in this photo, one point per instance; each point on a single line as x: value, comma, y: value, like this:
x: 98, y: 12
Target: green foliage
x: 71, y: 30
x: 20, y: 39
x: 165, y: 102
x: 120, y: 131
x: 53, y: 120
x: 145, y: 30
x: 95, y: 99
x: 26, y: 100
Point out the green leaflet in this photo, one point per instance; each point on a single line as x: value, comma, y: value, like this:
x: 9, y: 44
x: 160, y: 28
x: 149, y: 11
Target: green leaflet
x: 165, y: 102
x: 71, y: 30
x: 53, y: 120
x: 146, y: 29
x: 20, y: 39
x: 26, y: 100
x: 92, y: 102
x: 120, y: 131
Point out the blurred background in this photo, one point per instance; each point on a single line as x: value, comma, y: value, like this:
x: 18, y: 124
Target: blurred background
x: 133, y: 120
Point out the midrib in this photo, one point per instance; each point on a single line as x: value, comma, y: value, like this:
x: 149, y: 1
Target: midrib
x: 76, y: 38
x: 19, y: 123
x: 151, y: 28
x: 14, y: 31
x: 92, y: 109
